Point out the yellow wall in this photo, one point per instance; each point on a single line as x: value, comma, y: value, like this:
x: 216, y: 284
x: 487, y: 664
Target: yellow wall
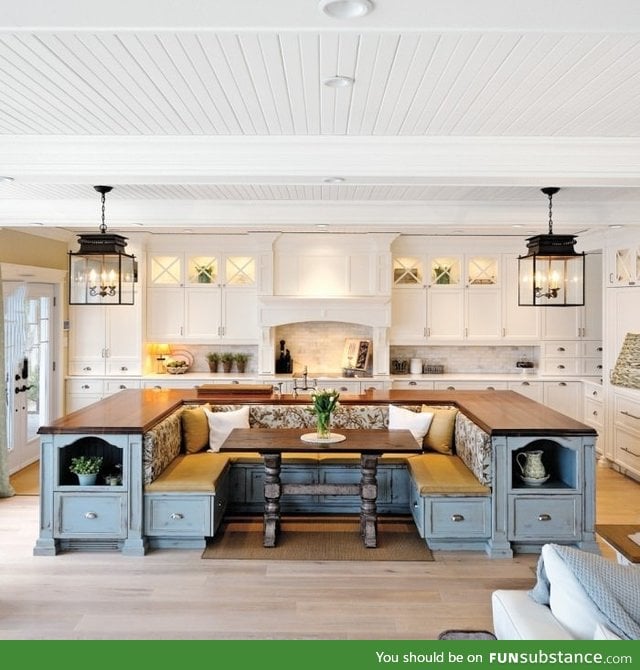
x: 24, y: 249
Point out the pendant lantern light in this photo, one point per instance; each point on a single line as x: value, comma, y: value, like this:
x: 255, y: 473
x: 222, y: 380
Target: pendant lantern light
x: 551, y: 274
x: 101, y: 272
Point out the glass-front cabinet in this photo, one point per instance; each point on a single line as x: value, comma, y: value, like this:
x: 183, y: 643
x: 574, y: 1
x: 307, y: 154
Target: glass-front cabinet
x: 446, y: 297
x: 202, y: 297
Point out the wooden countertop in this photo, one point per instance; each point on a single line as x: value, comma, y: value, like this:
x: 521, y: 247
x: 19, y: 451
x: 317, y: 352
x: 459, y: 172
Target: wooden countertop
x: 497, y: 412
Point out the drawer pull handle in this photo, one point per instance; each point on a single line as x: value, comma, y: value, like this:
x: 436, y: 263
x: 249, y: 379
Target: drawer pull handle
x: 415, y: 505
x: 560, y: 367
x: 86, y: 386
x: 124, y: 368
x: 630, y: 452
x: 90, y: 515
x: 122, y: 386
x: 595, y: 394
x: 177, y: 516
x: 491, y: 388
x: 413, y: 383
x: 87, y: 369
x: 598, y: 367
x: 595, y: 412
x: 562, y: 384
x: 599, y: 349
x: 561, y: 349
x: 451, y: 388
x: 544, y: 517
x: 526, y: 384
x: 457, y: 517
x: 631, y: 416
x: 344, y: 388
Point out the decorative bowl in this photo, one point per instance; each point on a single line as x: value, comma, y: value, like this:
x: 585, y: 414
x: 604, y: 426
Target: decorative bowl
x: 534, y: 481
x: 177, y: 369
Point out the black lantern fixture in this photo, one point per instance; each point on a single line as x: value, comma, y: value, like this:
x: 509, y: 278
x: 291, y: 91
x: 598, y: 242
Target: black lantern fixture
x: 552, y: 272
x: 101, y: 272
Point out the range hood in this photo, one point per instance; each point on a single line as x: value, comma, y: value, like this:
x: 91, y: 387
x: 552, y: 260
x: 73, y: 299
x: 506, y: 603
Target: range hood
x: 374, y: 311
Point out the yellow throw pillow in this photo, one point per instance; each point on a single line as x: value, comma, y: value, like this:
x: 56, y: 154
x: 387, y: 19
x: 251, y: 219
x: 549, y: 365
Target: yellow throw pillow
x: 440, y: 434
x: 195, y: 429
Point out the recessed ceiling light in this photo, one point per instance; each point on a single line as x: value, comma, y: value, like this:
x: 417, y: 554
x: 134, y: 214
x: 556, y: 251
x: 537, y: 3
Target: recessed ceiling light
x: 3, y: 179
x: 36, y: 223
x: 516, y: 225
x: 334, y: 180
x: 616, y: 226
x: 322, y: 226
x: 346, y: 9
x: 339, y: 81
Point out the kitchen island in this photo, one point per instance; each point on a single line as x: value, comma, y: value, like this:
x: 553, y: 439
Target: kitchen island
x: 562, y: 509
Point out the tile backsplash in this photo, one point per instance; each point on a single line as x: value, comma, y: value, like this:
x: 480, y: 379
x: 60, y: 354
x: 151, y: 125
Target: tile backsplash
x: 470, y: 359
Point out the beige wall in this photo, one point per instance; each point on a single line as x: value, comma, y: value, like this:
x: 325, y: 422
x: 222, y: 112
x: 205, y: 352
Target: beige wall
x: 25, y: 249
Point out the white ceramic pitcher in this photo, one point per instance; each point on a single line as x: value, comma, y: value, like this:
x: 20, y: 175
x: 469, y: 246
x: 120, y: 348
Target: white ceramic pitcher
x: 532, y: 467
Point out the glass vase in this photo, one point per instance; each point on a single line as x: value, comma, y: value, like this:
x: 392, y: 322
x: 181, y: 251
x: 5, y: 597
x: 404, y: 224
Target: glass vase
x: 323, y: 425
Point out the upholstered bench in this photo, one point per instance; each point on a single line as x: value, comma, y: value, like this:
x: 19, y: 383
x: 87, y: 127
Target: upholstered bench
x: 187, y: 494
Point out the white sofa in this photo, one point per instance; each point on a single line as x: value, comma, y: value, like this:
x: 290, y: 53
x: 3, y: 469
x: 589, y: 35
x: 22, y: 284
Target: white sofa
x: 570, y: 614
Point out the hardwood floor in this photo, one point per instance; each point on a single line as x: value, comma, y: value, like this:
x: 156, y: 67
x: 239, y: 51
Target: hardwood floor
x: 177, y: 595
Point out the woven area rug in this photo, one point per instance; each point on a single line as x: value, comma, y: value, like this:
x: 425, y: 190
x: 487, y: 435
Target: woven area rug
x: 332, y: 538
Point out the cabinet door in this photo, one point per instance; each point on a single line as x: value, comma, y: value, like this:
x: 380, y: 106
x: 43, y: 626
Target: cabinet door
x: 532, y: 390
x: 87, y: 333
x: 165, y: 314
x: 408, y: 315
x: 518, y: 322
x: 445, y: 308
x: 564, y: 397
x: 124, y: 340
x: 592, y: 311
x: 202, y: 314
x: 561, y: 323
x: 240, y: 319
x: 482, y: 314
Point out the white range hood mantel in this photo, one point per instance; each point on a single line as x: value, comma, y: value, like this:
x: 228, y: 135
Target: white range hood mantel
x: 374, y: 311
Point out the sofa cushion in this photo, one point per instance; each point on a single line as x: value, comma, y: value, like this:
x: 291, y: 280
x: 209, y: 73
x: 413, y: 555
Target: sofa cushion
x: 517, y: 617
x: 195, y: 429
x: 222, y: 423
x: 404, y: 419
x: 191, y: 473
x: 439, y: 437
x: 440, y: 474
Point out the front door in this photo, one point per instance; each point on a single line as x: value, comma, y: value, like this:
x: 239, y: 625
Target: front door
x: 29, y: 316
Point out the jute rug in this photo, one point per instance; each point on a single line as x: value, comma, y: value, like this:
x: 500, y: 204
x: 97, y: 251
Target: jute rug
x: 331, y: 538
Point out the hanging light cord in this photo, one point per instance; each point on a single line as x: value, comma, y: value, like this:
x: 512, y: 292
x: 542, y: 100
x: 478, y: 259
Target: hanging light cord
x: 550, y: 220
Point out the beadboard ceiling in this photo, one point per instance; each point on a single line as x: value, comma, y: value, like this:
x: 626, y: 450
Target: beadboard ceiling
x: 214, y: 116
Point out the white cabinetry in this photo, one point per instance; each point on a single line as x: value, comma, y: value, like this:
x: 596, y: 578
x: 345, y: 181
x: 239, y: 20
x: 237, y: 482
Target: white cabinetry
x: 199, y: 298
x: 623, y: 265
x: 533, y: 390
x: 105, y: 340
x: 519, y: 323
x: 593, y: 411
x: 565, y: 397
x: 445, y: 298
x: 87, y: 390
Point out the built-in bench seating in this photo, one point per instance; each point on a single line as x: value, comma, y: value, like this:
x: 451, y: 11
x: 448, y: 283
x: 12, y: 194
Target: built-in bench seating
x: 186, y: 495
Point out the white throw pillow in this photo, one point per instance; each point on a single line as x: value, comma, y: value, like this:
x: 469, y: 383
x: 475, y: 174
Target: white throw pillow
x: 222, y: 423
x: 569, y: 602
x: 404, y: 419
x: 604, y: 633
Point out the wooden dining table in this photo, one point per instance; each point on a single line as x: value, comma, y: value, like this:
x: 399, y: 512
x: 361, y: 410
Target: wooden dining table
x: 271, y: 443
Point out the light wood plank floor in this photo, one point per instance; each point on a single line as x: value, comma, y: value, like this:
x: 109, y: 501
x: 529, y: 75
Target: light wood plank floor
x: 177, y: 595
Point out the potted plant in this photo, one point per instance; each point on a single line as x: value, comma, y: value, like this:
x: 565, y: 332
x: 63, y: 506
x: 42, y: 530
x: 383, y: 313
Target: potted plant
x: 227, y: 359
x: 241, y: 361
x: 204, y: 273
x: 86, y: 468
x: 213, y: 358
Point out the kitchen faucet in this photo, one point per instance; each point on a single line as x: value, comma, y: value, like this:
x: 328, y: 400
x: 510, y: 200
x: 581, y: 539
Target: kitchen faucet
x: 306, y: 386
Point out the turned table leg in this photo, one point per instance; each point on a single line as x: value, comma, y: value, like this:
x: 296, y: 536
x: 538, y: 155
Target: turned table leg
x: 368, y: 495
x: 272, y: 492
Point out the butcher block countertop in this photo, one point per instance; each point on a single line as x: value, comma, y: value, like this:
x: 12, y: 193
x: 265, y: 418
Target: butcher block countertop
x: 496, y: 412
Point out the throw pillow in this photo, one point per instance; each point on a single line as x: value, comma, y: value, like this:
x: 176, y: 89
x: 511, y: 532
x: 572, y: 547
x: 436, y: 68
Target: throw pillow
x: 439, y: 437
x: 195, y: 429
x: 222, y: 423
x: 404, y: 419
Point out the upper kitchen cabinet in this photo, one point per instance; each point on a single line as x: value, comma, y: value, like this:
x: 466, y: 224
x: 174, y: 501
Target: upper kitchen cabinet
x: 105, y: 340
x: 519, y: 323
x: 207, y: 296
x: 623, y: 265
x: 329, y: 265
x: 445, y: 297
x: 585, y: 323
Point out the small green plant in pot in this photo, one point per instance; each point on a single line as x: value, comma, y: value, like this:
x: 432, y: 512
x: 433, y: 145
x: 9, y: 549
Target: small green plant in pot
x: 86, y: 468
x: 241, y: 361
x: 227, y: 359
x: 213, y: 358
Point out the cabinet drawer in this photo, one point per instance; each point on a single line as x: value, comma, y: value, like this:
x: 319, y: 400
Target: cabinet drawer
x: 122, y: 367
x: 90, y: 515
x: 592, y: 367
x: 414, y: 384
x: 545, y: 517
x: 85, y: 368
x: 532, y: 390
x: 416, y: 504
x: 85, y: 386
x: 181, y: 516
x: 562, y: 366
x: 592, y: 348
x: 458, y: 517
x: 114, y: 386
x: 627, y: 449
x: 627, y: 414
x: 471, y: 386
x: 593, y: 413
x: 594, y: 392
x: 563, y: 349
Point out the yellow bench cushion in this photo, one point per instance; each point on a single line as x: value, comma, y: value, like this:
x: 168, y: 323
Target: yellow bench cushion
x: 348, y: 457
x: 440, y: 474
x: 191, y: 473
